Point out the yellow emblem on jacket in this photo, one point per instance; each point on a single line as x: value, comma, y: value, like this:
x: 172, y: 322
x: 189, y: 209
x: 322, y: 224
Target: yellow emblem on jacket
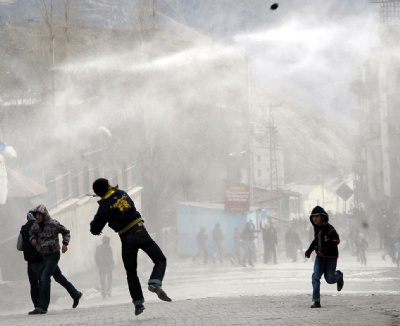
x: 122, y: 204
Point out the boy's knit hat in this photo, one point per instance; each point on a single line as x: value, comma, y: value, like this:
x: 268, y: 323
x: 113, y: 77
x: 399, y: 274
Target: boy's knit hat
x: 318, y: 210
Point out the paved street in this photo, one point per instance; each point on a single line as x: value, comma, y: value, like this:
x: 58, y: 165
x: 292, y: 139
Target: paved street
x: 352, y: 310
x: 224, y: 294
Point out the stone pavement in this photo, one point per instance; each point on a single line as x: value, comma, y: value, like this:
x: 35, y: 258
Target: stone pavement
x: 354, y: 310
x: 214, y: 294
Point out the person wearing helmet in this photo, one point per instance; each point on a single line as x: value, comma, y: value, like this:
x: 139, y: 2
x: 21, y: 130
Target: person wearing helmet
x: 325, y: 245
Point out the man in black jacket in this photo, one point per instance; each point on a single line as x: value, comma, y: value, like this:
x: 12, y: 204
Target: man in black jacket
x: 270, y: 241
x: 105, y: 263
x: 117, y: 209
x: 33, y: 258
x: 325, y: 244
x: 44, y: 235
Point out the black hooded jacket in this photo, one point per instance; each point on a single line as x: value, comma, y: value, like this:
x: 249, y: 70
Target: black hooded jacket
x: 326, y: 239
x: 31, y: 255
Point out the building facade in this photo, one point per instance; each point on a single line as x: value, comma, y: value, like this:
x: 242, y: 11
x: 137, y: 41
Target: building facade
x: 377, y: 167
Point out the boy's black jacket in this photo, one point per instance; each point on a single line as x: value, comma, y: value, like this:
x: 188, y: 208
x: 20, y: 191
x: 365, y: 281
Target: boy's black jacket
x: 31, y: 255
x: 326, y: 239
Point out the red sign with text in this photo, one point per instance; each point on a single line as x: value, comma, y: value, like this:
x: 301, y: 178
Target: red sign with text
x: 237, y: 198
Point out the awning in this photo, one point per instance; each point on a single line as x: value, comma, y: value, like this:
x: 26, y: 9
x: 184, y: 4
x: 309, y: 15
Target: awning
x: 20, y: 186
x: 273, y: 195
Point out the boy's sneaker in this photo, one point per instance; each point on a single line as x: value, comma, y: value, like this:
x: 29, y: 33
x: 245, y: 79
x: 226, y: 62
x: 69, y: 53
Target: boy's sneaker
x: 340, y: 283
x: 76, y: 300
x: 316, y: 304
x: 37, y: 311
x: 159, y: 291
x: 139, y: 309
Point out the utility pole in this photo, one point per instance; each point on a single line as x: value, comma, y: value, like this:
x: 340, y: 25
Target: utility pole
x: 249, y: 137
x: 273, y: 163
x: 272, y: 152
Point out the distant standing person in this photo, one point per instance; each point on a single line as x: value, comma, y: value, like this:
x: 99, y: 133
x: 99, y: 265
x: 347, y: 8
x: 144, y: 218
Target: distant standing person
x: 296, y: 245
x: 117, y: 209
x: 247, y: 237
x: 361, y: 247
x: 201, y: 239
x: 236, y: 246
x: 105, y: 264
x: 325, y: 244
x: 218, y: 238
x: 274, y: 242
x: 33, y: 258
x: 44, y: 236
x: 288, y: 243
x: 270, y: 241
x: 252, y: 243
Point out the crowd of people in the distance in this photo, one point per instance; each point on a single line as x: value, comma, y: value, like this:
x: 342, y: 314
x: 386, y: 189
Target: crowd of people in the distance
x: 286, y: 241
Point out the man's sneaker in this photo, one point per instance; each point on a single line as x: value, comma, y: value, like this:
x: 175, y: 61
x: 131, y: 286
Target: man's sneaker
x: 37, y: 311
x: 139, y: 309
x: 76, y: 300
x: 316, y: 304
x: 159, y: 291
x: 340, y: 283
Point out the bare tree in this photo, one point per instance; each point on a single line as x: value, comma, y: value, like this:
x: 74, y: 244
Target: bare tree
x: 47, y: 12
x: 66, y: 21
x: 145, y: 13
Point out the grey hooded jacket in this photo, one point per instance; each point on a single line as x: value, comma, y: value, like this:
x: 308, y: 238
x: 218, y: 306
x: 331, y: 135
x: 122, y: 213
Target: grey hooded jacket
x: 46, y: 233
